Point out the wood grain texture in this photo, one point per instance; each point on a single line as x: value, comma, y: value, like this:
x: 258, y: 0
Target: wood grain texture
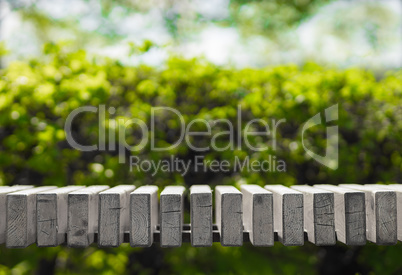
x: 288, y: 215
x: 229, y: 215
x: 171, y: 216
x: 381, y: 213
x: 201, y: 215
x: 319, y: 215
x: 258, y: 217
x: 114, y: 205
x: 398, y: 191
x: 143, y: 215
x: 83, y: 215
x: 4, y: 190
x: 21, y: 217
x: 350, y: 214
x: 51, y: 210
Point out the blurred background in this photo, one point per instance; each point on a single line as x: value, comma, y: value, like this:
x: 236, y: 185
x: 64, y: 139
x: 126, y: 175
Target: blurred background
x: 277, y: 59
x: 237, y: 32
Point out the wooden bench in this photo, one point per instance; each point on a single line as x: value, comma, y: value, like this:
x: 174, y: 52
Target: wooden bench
x: 321, y: 214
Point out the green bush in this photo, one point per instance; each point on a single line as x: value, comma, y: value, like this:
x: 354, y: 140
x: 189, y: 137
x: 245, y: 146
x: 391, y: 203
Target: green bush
x: 37, y: 96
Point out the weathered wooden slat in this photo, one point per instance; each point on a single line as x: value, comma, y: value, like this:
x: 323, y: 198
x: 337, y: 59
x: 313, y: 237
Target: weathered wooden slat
x: 201, y: 215
x: 288, y: 214
x: 143, y: 215
x: 52, y: 216
x: 319, y: 214
x: 114, y: 208
x: 258, y: 217
x: 229, y: 215
x: 381, y: 218
x: 171, y: 216
x: 350, y: 214
x: 83, y: 214
x: 21, y: 217
x: 398, y: 190
x: 4, y: 190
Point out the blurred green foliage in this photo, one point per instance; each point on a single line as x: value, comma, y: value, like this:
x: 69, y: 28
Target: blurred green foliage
x: 252, y: 16
x: 37, y: 96
x: 262, y: 17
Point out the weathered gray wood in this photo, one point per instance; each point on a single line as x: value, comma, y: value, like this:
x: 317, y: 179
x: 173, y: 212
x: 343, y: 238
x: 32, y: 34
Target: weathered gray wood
x: 143, y: 215
x: 4, y: 190
x: 288, y: 214
x: 398, y: 190
x: 51, y: 209
x: 171, y: 216
x: 114, y: 215
x: 21, y: 217
x: 229, y: 215
x: 258, y: 217
x: 319, y: 214
x: 201, y: 215
x: 381, y: 218
x: 83, y: 215
x: 350, y: 214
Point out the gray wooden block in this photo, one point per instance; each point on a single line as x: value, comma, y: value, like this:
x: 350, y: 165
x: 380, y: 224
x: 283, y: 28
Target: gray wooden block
x: 171, y: 216
x: 201, y: 215
x: 229, y: 215
x: 381, y: 219
x: 21, y: 217
x: 398, y: 191
x: 51, y: 209
x: 143, y: 215
x: 258, y: 216
x: 114, y: 215
x: 350, y: 214
x: 288, y: 214
x: 4, y: 190
x: 83, y: 215
x: 319, y: 214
